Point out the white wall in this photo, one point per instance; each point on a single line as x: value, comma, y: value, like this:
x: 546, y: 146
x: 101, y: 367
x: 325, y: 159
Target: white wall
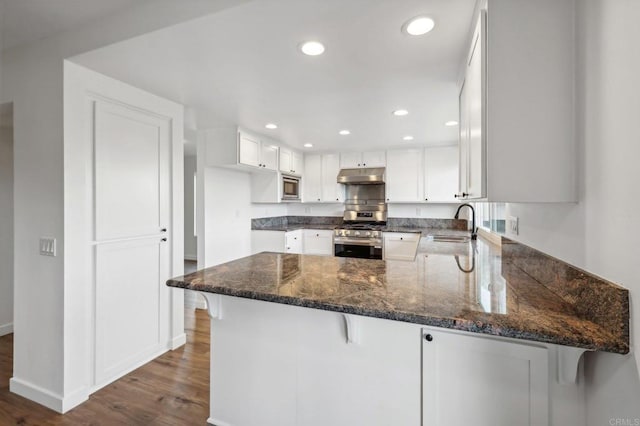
x: 227, y: 215
x: 32, y: 77
x: 6, y: 229
x: 598, y: 234
x: 190, y: 243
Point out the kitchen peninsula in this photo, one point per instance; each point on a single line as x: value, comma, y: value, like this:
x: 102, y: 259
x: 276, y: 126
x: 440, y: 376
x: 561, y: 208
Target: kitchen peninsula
x: 361, y: 341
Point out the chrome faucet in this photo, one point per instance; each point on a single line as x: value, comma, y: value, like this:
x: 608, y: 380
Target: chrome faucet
x: 474, y: 234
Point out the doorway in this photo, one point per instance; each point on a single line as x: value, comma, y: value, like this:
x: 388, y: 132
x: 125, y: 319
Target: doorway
x: 6, y: 219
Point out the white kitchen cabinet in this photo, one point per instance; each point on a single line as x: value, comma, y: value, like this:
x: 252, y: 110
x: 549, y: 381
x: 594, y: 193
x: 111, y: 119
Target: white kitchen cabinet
x: 404, y: 176
x: 353, y: 160
x: 321, y: 179
x: 248, y: 150
x: 509, y: 381
x: 472, y: 128
x: 332, y: 191
x: 237, y: 148
x: 400, y: 245
x: 517, y: 113
x: 312, y: 182
x: 297, y: 163
x: 318, y: 241
x: 441, y: 165
x: 293, y: 242
x: 290, y: 162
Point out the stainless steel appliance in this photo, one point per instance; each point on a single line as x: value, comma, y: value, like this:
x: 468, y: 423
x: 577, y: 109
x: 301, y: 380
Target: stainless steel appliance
x: 358, y: 240
x: 290, y: 188
x: 365, y: 214
x: 364, y: 195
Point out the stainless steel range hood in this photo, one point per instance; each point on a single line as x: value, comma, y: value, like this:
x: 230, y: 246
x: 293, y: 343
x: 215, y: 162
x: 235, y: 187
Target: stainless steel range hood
x: 365, y: 176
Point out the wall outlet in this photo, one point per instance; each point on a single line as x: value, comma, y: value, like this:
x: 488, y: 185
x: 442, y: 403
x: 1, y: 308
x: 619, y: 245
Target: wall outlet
x: 513, y: 225
x: 47, y: 246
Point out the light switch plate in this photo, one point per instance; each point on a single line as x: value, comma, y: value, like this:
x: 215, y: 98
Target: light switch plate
x: 47, y: 246
x: 513, y: 225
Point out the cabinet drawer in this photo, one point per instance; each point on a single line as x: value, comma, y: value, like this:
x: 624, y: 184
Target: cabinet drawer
x: 318, y: 241
x: 400, y: 246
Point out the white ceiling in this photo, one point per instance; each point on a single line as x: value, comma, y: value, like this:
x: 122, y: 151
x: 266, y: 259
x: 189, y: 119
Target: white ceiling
x: 24, y: 21
x: 241, y: 66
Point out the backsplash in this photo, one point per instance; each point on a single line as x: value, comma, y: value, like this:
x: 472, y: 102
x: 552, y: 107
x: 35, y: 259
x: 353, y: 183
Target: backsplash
x: 410, y: 222
x: 284, y: 221
x: 593, y: 298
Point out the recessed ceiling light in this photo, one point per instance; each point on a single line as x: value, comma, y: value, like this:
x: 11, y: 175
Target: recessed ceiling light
x: 312, y: 48
x: 418, y: 26
x: 308, y: 145
x: 344, y: 132
x: 407, y: 138
x: 271, y: 126
x: 400, y: 112
x: 451, y: 123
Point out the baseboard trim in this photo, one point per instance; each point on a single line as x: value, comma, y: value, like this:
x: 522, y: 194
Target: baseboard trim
x: 178, y: 341
x: 51, y: 400
x: 213, y: 422
x: 6, y: 329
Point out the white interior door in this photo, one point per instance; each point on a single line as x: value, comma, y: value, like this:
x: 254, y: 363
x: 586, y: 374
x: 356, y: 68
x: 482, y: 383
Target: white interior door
x: 132, y: 255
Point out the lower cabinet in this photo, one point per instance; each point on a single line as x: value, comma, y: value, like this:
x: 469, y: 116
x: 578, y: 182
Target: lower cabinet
x: 468, y: 380
x: 400, y: 245
x: 318, y: 241
x: 300, y: 241
x: 293, y: 242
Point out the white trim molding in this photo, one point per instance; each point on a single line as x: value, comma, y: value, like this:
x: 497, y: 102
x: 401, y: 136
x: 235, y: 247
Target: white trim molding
x: 6, y: 329
x: 52, y: 400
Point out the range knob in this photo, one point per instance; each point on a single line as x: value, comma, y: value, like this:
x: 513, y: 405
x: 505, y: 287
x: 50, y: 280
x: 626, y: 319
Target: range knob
x: 356, y: 233
x: 368, y: 234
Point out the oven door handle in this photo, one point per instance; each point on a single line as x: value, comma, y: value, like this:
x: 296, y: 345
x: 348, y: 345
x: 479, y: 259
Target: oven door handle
x: 356, y: 242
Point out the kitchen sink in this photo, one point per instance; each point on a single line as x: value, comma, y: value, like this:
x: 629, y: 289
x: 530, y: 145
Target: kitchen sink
x: 443, y: 238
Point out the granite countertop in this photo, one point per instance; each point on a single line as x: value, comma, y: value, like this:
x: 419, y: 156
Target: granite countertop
x: 463, y: 286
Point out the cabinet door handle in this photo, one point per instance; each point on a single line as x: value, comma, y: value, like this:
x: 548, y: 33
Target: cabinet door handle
x: 163, y: 230
x: 364, y: 164
x: 426, y: 199
x: 317, y: 235
x: 401, y: 238
x: 337, y: 199
x: 163, y: 240
x: 428, y: 337
x: 463, y: 195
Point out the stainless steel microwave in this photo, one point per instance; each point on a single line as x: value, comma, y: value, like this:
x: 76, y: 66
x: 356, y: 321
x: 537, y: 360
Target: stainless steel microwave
x: 290, y: 188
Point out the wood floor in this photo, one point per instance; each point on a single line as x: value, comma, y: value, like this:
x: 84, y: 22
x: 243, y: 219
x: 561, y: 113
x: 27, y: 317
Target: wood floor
x: 170, y: 390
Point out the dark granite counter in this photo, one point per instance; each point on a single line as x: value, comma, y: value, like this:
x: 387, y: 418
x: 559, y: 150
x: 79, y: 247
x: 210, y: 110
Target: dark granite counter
x: 464, y: 286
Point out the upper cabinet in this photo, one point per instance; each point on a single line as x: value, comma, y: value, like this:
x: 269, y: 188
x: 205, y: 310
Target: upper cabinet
x: 237, y: 148
x: 441, y: 174
x: 404, y: 176
x: 517, y: 139
x: 320, y: 182
x: 291, y: 162
x: 353, y: 160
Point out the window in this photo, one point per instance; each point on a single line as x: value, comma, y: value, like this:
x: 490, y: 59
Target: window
x: 491, y: 216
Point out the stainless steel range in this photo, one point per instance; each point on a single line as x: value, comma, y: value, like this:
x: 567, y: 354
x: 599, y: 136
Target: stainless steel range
x: 365, y: 214
x: 358, y: 240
